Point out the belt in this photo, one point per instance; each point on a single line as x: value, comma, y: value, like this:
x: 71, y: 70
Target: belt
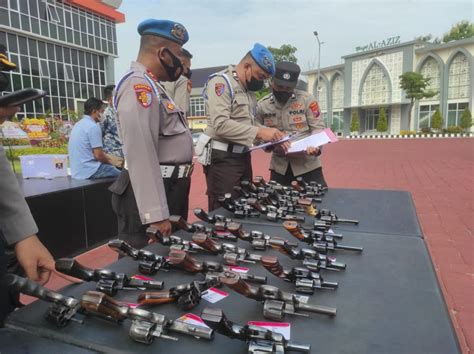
x: 236, y: 149
x: 177, y: 171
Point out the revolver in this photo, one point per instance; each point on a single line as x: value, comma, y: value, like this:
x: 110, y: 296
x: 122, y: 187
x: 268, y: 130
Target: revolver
x: 186, y: 296
x: 257, y: 239
x: 232, y: 254
x: 146, y: 325
x: 305, y: 280
x: 320, y: 245
x: 312, y: 260
x: 276, y: 303
x: 173, y: 242
x: 260, y: 340
x: 108, y: 281
x: 181, y: 260
x: 331, y: 218
x: 218, y: 231
x: 201, y: 214
x: 150, y: 263
x: 62, y: 309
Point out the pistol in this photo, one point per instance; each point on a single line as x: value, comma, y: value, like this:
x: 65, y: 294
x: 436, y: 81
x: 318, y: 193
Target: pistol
x: 319, y: 245
x: 62, y: 310
x: 108, y: 281
x: 201, y: 214
x: 276, y: 303
x: 259, y: 339
x: 306, y: 281
x: 173, y: 242
x: 186, y: 296
x: 219, y: 230
x: 146, y: 325
x: 330, y: 217
x: 257, y: 239
x: 181, y: 260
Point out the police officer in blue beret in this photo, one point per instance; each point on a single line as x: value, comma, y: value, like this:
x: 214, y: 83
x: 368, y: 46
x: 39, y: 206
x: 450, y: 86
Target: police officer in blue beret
x: 231, y: 103
x: 157, y: 143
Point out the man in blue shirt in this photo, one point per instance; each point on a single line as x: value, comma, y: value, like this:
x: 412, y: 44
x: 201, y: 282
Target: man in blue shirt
x: 112, y: 144
x: 86, y: 156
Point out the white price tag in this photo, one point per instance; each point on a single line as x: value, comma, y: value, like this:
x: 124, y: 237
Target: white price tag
x: 214, y: 295
x: 330, y: 231
x: 192, y: 319
x: 283, y: 328
x: 238, y: 269
x: 303, y: 299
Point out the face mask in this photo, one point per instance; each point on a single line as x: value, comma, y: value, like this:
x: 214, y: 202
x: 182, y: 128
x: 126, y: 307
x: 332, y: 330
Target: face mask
x: 254, y: 84
x: 282, y: 96
x: 174, y: 71
x: 188, y: 74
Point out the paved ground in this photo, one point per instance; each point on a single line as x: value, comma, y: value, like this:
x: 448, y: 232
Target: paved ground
x: 438, y: 172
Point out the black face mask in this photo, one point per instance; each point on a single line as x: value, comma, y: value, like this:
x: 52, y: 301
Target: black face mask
x: 254, y: 84
x: 174, y: 71
x: 282, y: 96
x: 188, y: 74
x: 4, y: 81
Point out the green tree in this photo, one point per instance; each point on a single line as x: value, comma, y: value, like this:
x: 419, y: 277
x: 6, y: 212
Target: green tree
x: 466, y: 119
x: 382, y: 124
x: 437, y: 120
x: 461, y: 30
x: 286, y: 52
x: 262, y: 93
x: 355, y: 122
x: 416, y: 88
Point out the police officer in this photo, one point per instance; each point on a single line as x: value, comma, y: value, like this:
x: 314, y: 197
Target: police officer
x: 231, y: 126
x: 292, y: 110
x: 180, y: 90
x: 157, y: 143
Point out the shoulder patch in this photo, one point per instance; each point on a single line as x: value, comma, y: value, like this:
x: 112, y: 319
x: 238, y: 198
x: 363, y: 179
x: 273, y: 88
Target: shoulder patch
x: 219, y: 88
x: 314, y: 106
x: 144, y: 94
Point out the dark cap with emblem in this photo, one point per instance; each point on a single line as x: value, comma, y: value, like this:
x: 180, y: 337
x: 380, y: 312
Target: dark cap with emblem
x: 171, y: 30
x: 286, y: 74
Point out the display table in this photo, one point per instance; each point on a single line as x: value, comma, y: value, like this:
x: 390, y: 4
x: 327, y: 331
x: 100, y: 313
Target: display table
x: 72, y: 215
x: 378, y: 211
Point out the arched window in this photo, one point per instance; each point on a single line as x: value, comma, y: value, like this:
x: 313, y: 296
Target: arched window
x: 375, y: 89
x: 337, y: 103
x: 458, y: 88
x: 431, y: 70
x: 322, y: 96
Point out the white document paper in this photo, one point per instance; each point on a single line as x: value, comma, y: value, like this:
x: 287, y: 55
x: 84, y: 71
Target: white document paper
x: 314, y: 140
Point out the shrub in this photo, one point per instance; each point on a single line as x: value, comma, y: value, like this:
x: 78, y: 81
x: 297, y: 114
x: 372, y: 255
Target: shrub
x: 355, y: 122
x: 426, y: 130
x: 16, y: 153
x: 382, y: 125
x: 14, y: 142
x: 466, y: 119
x: 407, y: 132
x: 437, y: 120
x: 454, y: 130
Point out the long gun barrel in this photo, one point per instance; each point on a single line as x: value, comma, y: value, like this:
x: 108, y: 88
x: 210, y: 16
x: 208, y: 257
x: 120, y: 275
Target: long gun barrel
x: 259, y: 339
x: 276, y: 303
x: 108, y: 281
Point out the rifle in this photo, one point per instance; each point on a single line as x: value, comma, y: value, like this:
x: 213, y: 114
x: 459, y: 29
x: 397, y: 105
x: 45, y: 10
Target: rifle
x: 276, y: 303
x: 259, y: 339
x: 146, y: 325
x: 181, y: 260
x: 186, y: 296
x: 306, y: 281
x: 108, y: 281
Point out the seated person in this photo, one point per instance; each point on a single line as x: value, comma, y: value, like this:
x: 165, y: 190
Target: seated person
x: 112, y: 144
x: 86, y: 156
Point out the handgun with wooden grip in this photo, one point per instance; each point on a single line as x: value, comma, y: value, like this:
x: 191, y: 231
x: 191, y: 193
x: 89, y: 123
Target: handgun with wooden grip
x: 259, y: 340
x: 62, y: 310
x: 257, y: 239
x: 218, y: 230
x: 276, y: 303
x: 108, y: 281
x: 306, y: 281
x: 173, y: 242
x: 186, y: 296
x: 181, y: 260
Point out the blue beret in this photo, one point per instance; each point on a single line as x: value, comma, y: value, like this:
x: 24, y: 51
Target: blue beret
x: 264, y: 58
x: 171, y: 30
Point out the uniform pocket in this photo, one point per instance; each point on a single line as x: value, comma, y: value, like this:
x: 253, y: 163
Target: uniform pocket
x: 173, y: 123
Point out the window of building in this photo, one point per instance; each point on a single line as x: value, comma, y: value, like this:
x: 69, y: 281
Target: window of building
x: 44, y: 68
x: 371, y: 119
x: 431, y: 71
x: 14, y: 5
x: 337, y: 93
x: 459, y: 82
x: 375, y: 89
x: 337, y: 121
x: 197, y: 106
x: 454, y: 113
x: 325, y: 117
x: 53, y: 15
x: 425, y: 114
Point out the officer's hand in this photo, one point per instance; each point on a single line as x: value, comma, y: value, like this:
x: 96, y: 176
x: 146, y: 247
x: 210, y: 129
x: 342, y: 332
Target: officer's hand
x: 282, y: 148
x: 270, y: 134
x: 311, y: 150
x: 164, y: 226
x: 6, y: 112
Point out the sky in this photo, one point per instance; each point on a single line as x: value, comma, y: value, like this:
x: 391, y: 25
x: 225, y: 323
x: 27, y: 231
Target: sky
x: 222, y: 31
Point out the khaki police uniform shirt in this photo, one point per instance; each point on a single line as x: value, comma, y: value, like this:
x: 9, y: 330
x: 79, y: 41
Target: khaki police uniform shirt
x: 230, y: 120
x: 179, y: 91
x: 300, y: 114
x: 153, y: 131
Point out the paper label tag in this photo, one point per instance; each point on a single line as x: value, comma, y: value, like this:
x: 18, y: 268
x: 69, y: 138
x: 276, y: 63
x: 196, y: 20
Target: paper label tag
x: 330, y: 231
x: 141, y: 277
x: 214, y: 295
x: 238, y: 269
x: 192, y: 319
x: 129, y: 304
x: 283, y: 328
x: 332, y: 259
x: 301, y: 298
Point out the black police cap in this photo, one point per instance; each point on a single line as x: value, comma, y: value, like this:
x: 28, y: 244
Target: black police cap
x: 286, y: 74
